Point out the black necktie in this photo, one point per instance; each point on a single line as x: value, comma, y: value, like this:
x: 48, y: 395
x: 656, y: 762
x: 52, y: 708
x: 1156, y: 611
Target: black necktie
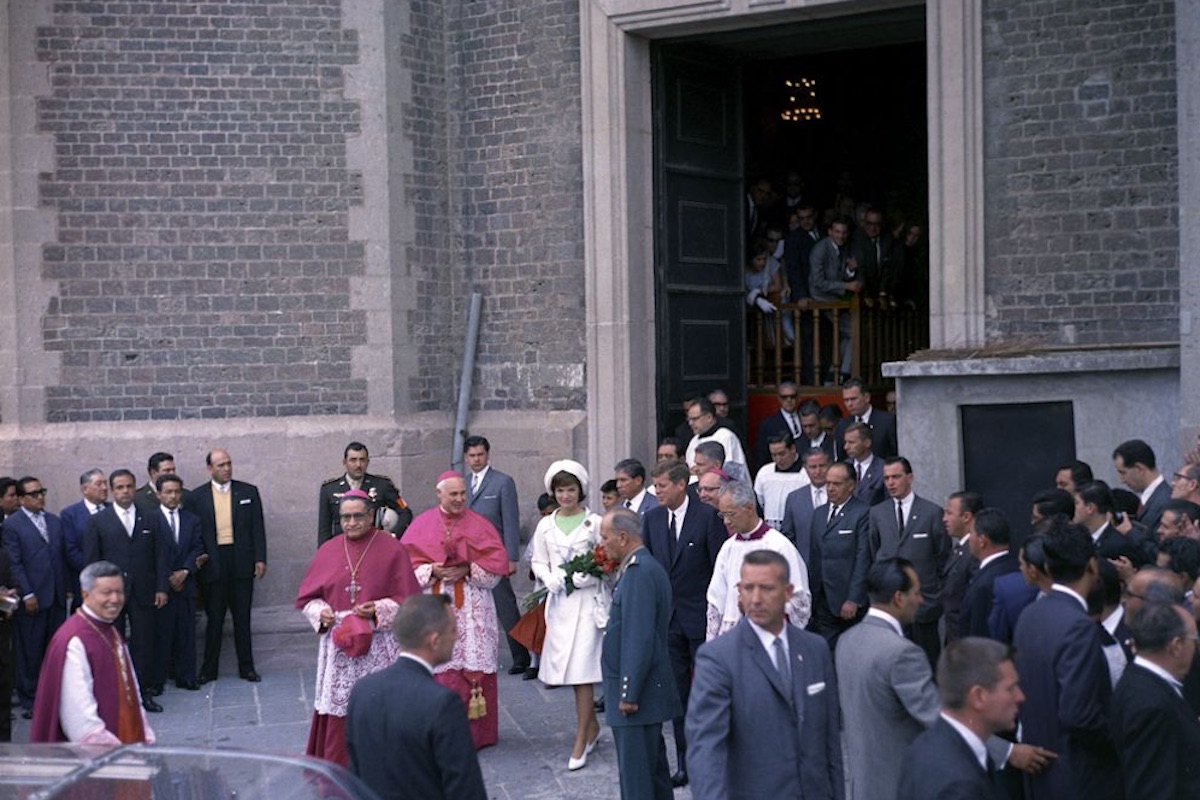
x: 900, y: 516
x: 832, y: 513
x: 674, y: 536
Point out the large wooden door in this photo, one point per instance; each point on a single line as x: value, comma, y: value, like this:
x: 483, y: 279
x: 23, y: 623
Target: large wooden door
x: 699, y: 229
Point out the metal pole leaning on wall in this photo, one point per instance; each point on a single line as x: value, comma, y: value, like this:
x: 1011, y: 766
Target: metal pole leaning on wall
x: 464, y: 383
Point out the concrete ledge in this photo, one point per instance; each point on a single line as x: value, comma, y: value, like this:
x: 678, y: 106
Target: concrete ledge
x: 1044, y: 363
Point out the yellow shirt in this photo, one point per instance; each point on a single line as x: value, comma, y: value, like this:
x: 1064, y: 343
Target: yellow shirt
x: 223, y: 508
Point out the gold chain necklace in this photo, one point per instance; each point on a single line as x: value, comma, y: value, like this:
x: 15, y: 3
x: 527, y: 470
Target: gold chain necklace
x: 354, y: 586
x: 114, y: 644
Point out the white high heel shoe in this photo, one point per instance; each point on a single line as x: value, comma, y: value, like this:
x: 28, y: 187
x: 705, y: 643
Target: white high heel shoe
x: 579, y: 763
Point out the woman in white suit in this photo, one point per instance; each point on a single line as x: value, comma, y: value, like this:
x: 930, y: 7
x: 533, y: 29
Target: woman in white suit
x: 571, y: 652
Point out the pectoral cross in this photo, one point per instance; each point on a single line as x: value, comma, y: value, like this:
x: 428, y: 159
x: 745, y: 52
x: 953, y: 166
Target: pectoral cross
x: 353, y: 589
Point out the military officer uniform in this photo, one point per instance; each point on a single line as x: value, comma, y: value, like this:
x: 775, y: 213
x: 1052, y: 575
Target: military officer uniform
x: 636, y: 668
x: 382, y: 491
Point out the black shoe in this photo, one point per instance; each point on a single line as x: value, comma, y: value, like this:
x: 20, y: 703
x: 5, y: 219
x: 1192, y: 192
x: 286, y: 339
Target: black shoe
x: 151, y: 706
x: 531, y: 673
x: 679, y: 779
x: 191, y: 686
x: 251, y: 675
x: 203, y: 679
x: 153, y: 691
x: 27, y: 714
x: 517, y: 669
x: 599, y: 705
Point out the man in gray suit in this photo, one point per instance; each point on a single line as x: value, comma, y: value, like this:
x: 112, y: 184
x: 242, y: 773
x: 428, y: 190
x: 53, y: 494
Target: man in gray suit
x: 798, y: 508
x: 886, y: 689
x: 910, y: 526
x: 840, y: 556
x: 765, y: 675
x: 493, y: 495
x: 833, y: 276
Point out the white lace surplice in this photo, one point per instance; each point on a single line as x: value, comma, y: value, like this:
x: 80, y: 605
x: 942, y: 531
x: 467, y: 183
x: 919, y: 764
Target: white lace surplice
x: 723, y: 612
x: 478, y: 644
x: 337, y: 672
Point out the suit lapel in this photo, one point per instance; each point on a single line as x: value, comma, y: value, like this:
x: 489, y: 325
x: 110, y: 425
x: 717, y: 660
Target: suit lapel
x: 800, y: 673
x: 759, y: 655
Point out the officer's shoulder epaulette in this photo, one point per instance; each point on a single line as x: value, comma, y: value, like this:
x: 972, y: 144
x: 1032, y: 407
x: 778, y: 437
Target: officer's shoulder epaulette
x: 383, y: 478
x: 334, y: 479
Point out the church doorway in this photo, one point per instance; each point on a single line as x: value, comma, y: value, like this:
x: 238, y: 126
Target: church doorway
x: 750, y: 125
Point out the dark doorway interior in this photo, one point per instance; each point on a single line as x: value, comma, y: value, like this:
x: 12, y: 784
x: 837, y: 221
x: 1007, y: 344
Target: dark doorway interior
x: 869, y: 73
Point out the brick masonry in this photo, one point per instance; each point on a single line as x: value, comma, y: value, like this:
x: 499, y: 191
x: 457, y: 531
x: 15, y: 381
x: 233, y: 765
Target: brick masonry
x: 1081, y: 185
x: 517, y: 195
x: 201, y: 193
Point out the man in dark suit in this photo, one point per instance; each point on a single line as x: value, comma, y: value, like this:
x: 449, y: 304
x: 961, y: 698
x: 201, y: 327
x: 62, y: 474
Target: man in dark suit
x: 93, y: 484
x: 840, y: 556
x: 235, y: 541
x: 868, y: 468
x: 6, y: 654
x: 684, y: 536
x: 765, y: 675
x: 1093, y: 508
x: 977, y: 683
x: 785, y: 420
x: 1063, y: 672
x: 34, y: 541
x: 813, y: 432
x: 159, y: 463
x: 176, y: 621
x: 9, y: 502
x: 634, y: 662
x: 989, y: 545
x: 493, y: 495
x: 799, y: 506
x: 630, y: 476
x: 135, y: 542
x: 958, y: 518
x: 1137, y: 468
x: 859, y: 409
x: 391, y: 512
x: 1012, y: 594
x: 1156, y: 733
x: 802, y: 235
x: 911, y: 527
x: 407, y: 736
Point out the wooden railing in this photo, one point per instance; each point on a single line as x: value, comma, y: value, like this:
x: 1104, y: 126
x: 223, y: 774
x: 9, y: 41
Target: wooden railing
x: 880, y: 333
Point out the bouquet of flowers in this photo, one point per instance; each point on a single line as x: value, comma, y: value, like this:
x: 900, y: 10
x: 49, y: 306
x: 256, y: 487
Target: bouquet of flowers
x: 594, y: 562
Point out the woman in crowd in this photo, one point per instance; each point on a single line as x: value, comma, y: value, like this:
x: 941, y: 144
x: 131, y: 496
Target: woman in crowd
x: 571, y: 650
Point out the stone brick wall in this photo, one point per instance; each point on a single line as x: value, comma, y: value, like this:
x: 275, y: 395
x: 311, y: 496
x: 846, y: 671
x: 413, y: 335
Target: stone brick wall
x: 1081, y: 183
x: 517, y: 194
x: 201, y: 193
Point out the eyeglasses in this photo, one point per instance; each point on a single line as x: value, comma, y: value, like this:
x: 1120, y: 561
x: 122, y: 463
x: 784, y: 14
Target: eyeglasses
x: 696, y: 418
x: 38, y: 493
x: 728, y: 515
x: 787, y: 397
x: 352, y: 517
x: 1179, y: 476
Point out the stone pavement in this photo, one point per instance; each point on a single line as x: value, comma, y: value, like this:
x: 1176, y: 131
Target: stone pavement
x: 536, y: 722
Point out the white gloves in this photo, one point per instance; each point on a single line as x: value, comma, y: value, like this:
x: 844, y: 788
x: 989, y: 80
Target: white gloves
x: 556, y: 580
x: 581, y: 580
x: 765, y: 304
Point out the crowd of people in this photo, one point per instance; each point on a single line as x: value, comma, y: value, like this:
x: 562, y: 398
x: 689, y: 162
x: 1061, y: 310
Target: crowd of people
x: 800, y: 252
x: 108, y: 587
x: 886, y: 645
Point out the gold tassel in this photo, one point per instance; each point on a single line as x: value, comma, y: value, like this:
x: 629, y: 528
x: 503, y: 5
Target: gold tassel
x: 477, y: 705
